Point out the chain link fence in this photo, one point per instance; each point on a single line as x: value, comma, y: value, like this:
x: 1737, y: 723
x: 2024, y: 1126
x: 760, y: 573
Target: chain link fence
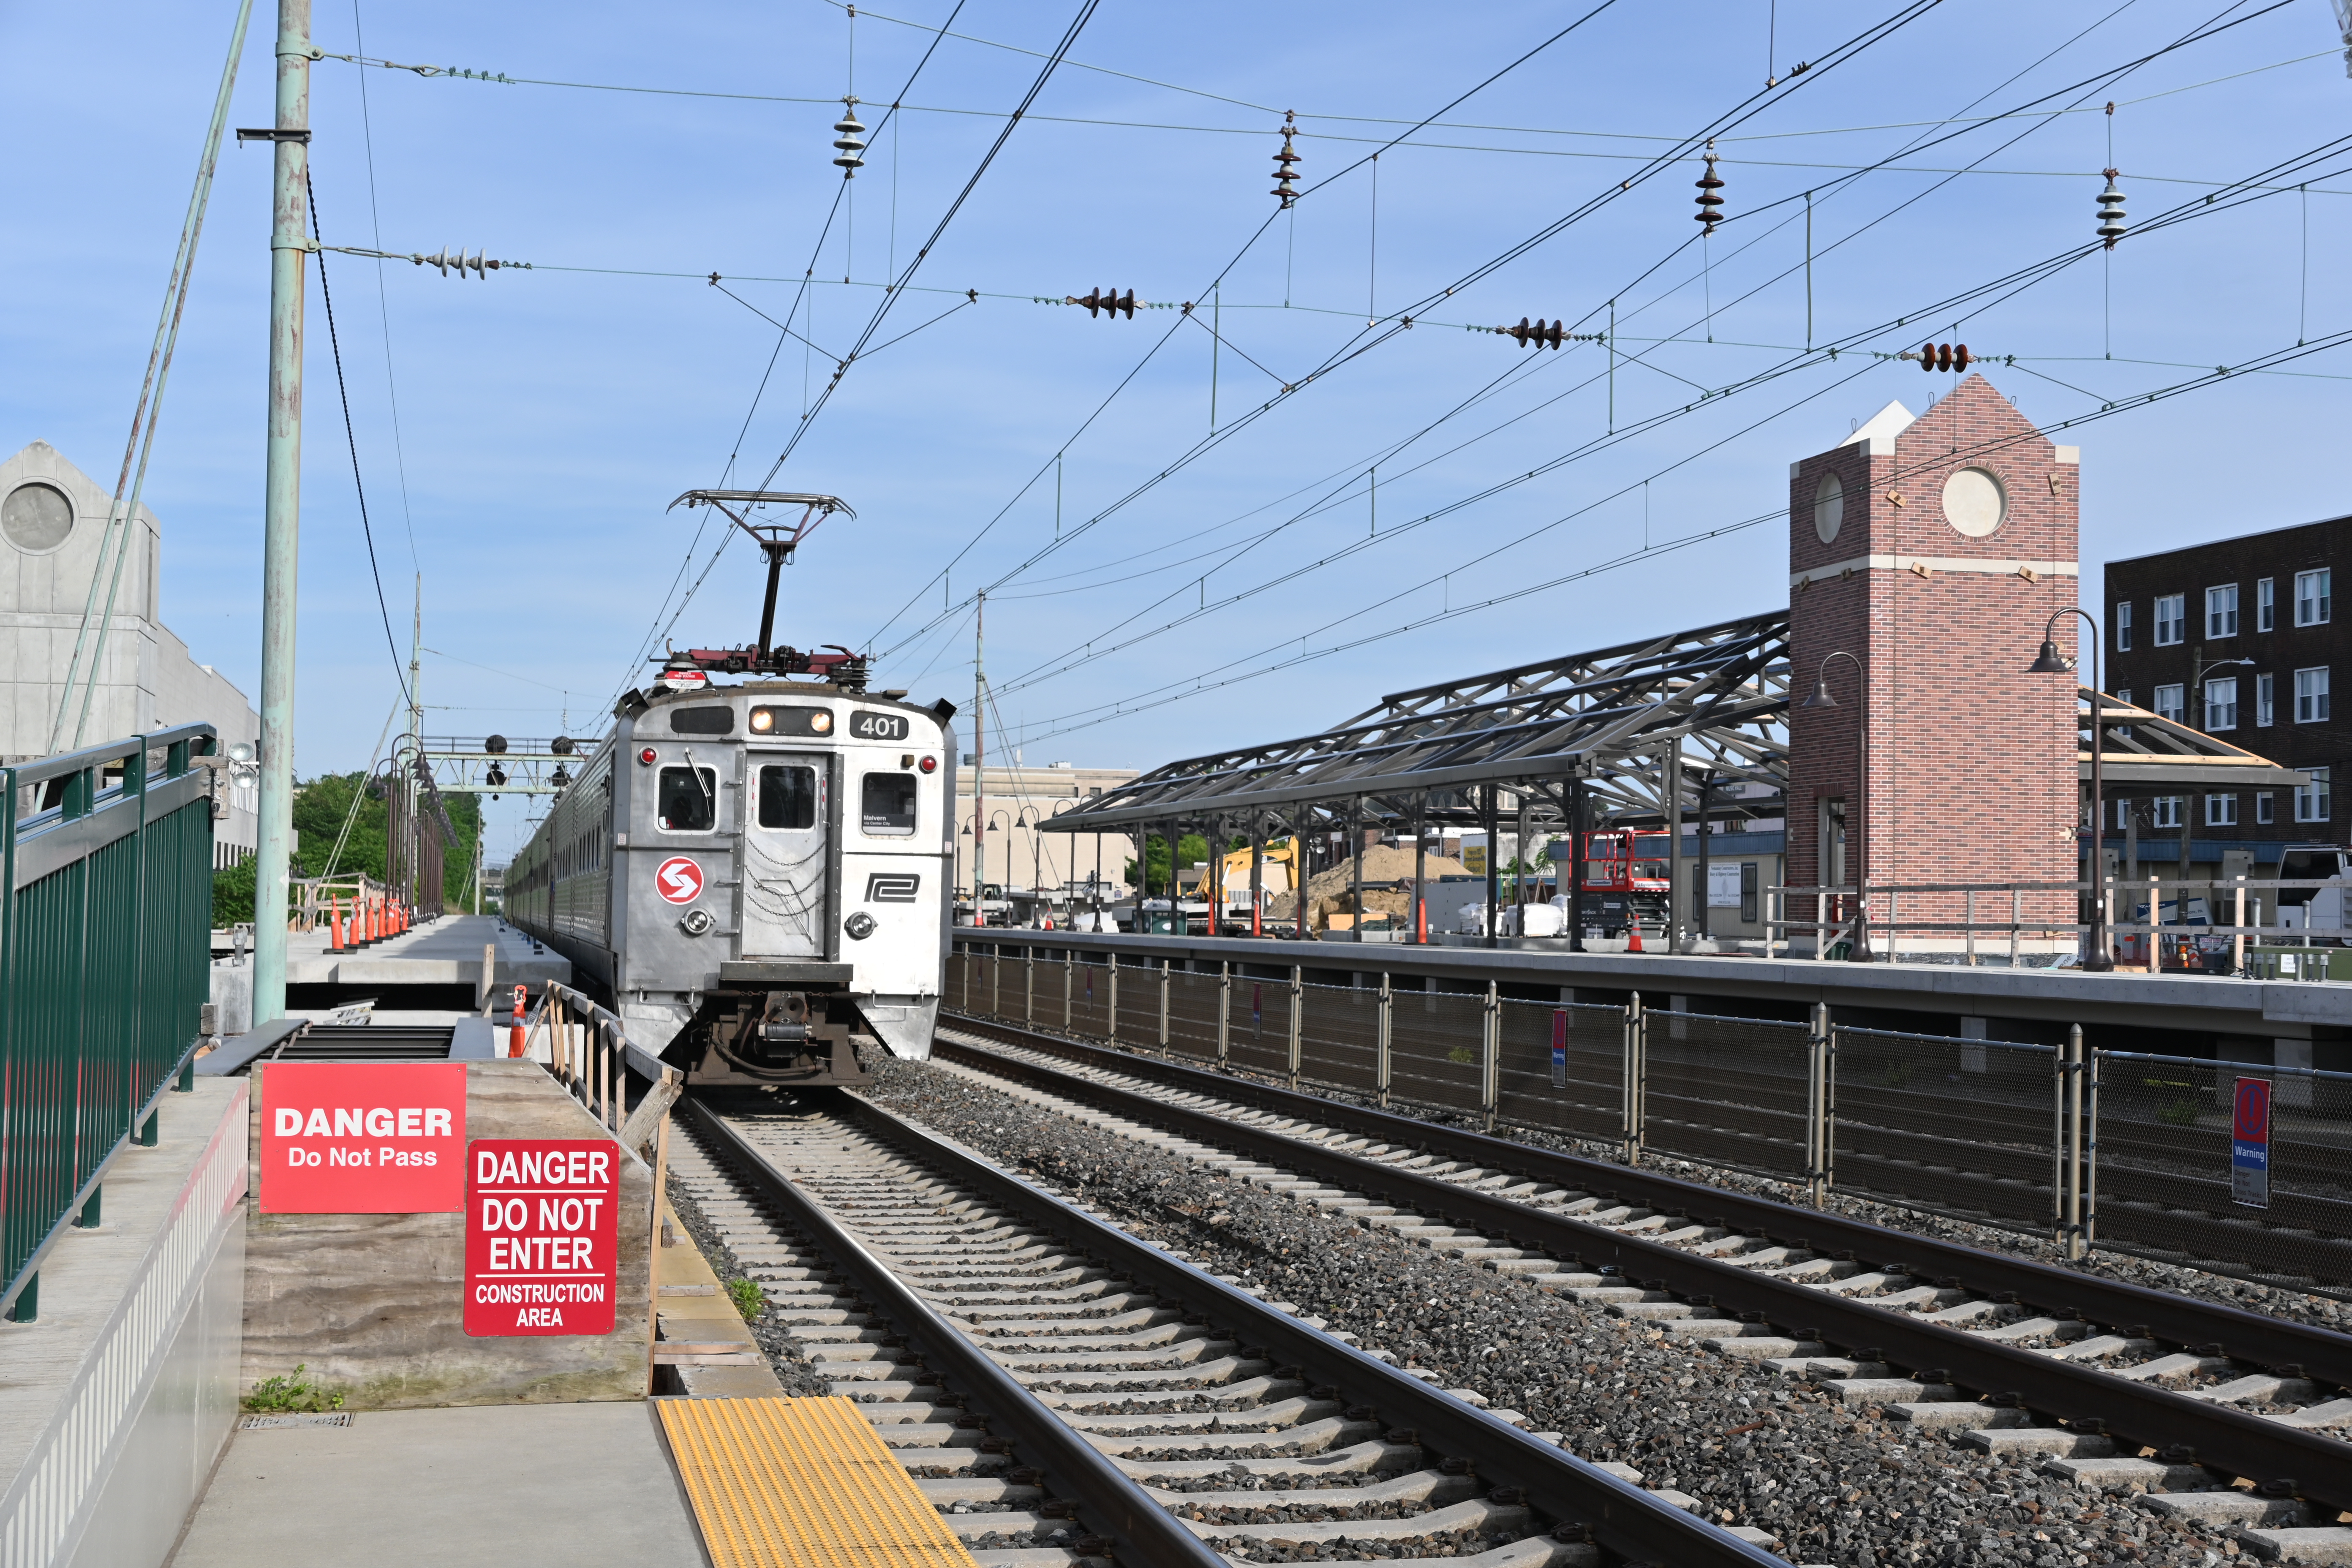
x: 2169, y: 1144
x: 1195, y: 1003
x: 1969, y: 1128
x: 2150, y: 1157
x: 1257, y: 1031
x: 1728, y: 1092
x: 1561, y: 1068
x: 1339, y: 1036
x: 1436, y: 1041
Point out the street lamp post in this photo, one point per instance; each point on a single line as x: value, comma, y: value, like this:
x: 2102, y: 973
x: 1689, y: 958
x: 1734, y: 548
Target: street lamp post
x: 1036, y: 847
x: 2099, y: 960
x: 1060, y: 807
x: 1860, y: 952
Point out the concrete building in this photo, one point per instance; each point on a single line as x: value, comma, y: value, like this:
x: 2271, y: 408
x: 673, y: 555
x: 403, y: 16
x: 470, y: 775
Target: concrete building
x: 2238, y: 638
x: 1018, y: 796
x: 52, y: 519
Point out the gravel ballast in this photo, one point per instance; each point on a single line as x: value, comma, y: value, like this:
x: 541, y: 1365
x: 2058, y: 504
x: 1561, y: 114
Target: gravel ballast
x: 1833, y: 1484
x: 786, y: 1354
x: 2179, y: 1279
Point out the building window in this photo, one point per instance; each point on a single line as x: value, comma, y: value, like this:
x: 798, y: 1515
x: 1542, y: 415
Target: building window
x: 2123, y: 698
x: 2170, y: 612
x: 2222, y: 611
x: 2122, y: 626
x: 2265, y: 808
x: 2265, y: 606
x: 2123, y: 816
x: 2311, y: 696
x: 2311, y: 800
x: 2164, y: 811
x: 2171, y: 702
x: 2220, y: 811
x: 2313, y: 605
x: 2265, y: 701
x: 2221, y: 704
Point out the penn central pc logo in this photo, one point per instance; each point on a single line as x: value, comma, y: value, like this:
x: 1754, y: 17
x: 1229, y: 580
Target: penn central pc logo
x: 892, y: 887
x: 678, y: 880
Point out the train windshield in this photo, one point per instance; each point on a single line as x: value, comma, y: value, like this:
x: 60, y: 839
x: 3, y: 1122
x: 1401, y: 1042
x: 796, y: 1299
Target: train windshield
x: 688, y: 800
x: 787, y: 797
x: 890, y: 804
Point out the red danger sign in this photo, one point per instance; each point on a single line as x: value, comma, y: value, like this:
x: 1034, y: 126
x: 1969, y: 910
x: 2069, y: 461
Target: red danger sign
x: 678, y: 880
x: 542, y: 1236
x: 361, y: 1137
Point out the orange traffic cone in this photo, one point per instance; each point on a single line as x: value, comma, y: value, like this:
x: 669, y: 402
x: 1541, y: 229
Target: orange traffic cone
x: 1634, y: 928
x: 335, y: 925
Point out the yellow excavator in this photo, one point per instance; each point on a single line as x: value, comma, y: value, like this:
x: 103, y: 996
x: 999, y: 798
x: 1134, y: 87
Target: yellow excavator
x: 1235, y: 874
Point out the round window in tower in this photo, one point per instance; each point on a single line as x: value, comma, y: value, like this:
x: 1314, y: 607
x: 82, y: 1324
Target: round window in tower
x: 1974, y: 502
x: 1829, y: 508
x: 35, y: 518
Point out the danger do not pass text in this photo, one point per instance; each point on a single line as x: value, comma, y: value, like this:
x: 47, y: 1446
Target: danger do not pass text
x: 361, y: 1137
x: 543, y: 1233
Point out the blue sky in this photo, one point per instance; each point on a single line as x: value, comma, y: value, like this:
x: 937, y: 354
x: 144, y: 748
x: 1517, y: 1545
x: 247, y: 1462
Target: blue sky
x: 546, y: 417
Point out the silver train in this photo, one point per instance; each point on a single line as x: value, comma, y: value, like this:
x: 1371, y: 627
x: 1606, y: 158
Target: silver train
x: 756, y: 878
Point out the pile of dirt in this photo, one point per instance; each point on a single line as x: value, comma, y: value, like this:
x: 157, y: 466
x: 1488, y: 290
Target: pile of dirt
x: 1330, y: 892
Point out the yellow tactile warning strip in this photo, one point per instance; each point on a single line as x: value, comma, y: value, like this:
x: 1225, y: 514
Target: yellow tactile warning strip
x: 801, y: 1483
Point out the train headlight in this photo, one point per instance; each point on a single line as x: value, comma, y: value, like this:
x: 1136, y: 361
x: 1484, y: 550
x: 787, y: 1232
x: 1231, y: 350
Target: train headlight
x: 696, y: 922
x: 821, y: 723
x: 763, y: 721
x: 859, y: 926
x: 931, y: 764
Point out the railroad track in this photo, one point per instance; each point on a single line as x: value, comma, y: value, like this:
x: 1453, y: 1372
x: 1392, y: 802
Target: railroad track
x: 2221, y: 1416
x: 1062, y: 1391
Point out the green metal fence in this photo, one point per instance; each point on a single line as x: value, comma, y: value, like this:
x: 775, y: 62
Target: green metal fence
x: 105, y: 958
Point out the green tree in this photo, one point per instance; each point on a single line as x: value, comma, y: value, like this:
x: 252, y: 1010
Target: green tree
x: 321, y: 806
x: 1193, y: 847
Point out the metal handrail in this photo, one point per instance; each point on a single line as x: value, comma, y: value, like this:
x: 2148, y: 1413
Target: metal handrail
x: 65, y: 762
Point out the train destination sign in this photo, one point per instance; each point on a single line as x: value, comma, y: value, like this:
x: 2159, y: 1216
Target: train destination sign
x: 2249, y: 1144
x: 542, y: 1236
x: 361, y: 1137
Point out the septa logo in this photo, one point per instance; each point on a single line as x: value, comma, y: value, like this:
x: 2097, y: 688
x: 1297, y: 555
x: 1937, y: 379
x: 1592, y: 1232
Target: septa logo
x: 678, y: 880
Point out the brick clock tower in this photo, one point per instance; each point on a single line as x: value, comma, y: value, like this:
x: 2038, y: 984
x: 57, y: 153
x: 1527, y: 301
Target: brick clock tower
x: 1933, y: 549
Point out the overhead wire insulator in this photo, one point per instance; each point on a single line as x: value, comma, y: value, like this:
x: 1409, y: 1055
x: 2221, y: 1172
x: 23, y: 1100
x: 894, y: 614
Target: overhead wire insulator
x: 2111, y: 211
x: 1933, y: 357
x: 1537, y: 332
x: 1709, y: 184
x: 1097, y: 300
x: 849, y: 140
x: 478, y: 264
x: 1283, y: 172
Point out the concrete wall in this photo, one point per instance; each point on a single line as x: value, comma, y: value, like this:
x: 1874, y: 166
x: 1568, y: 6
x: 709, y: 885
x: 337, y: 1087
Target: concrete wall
x: 147, y: 675
x: 372, y: 1304
x: 117, y: 1399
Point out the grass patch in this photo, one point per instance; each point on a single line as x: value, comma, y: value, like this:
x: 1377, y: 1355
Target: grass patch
x: 291, y: 1393
x: 749, y: 1298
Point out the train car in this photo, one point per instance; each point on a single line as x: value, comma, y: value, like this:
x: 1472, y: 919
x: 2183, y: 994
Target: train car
x: 757, y: 877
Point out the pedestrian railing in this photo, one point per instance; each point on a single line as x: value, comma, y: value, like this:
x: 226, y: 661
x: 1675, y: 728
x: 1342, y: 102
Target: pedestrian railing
x: 105, y: 960
x: 1977, y: 922
x: 2131, y: 1152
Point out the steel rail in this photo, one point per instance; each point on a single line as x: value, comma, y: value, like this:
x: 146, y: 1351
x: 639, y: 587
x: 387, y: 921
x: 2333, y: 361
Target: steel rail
x: 1622, y: 1518
x: 2084, y: 1398
x: 1145, y: 1532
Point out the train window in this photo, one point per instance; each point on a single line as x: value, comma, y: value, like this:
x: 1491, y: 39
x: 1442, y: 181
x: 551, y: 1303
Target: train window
x: 787, y: 797
x: 710, y: 721
x: 889, y: 804
x: 687, y: 800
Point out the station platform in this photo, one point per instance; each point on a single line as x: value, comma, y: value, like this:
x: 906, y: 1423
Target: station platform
x: 584, y: 1484
x: 448, y: 952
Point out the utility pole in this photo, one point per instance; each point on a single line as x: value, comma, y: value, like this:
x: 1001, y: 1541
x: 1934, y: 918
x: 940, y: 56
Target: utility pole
x: 978, y: 764
x: 414, y: 852
x: 281, y: 509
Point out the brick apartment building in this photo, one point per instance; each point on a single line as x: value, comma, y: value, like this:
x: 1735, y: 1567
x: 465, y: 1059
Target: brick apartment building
x: 2238, y: 639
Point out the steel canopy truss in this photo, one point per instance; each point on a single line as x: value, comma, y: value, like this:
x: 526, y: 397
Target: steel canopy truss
x: 2145, y: 753
x: 1717, y: 697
